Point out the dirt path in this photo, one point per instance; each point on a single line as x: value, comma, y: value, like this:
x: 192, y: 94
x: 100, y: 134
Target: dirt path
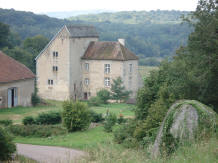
x: 48, y: 154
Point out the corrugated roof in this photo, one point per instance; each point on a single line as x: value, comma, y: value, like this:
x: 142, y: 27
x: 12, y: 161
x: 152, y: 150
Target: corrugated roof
x: 82, y: 31
x: 11, y: 70
x: 108, y: 51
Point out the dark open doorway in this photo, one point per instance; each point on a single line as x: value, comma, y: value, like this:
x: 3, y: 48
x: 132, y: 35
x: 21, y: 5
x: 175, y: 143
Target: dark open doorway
x: 85, y: 96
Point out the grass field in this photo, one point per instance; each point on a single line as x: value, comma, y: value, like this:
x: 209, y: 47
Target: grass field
x: 18, y: 113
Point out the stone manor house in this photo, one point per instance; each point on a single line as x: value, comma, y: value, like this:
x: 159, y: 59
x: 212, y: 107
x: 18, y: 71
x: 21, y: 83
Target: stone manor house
x: 76, y: 65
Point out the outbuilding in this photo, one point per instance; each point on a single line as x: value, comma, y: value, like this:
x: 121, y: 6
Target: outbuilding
x: 16, y: 83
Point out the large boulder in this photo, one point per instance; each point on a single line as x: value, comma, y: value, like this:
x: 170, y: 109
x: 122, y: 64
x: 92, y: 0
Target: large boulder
x: 186, y: 121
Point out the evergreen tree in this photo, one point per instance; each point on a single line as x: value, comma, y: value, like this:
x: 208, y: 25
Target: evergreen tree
x: 118, y: 90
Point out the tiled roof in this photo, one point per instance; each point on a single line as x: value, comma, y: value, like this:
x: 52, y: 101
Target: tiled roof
x: 11, y: 70
x: 82, y: 31
x: 108, y: 51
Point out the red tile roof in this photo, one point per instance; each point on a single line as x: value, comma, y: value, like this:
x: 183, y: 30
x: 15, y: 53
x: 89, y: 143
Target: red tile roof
x: 11, y: 70
x: 104, y: 50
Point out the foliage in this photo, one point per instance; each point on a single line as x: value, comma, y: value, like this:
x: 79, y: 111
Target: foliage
x: 118, y: 91
x: 4, y: 35
x: 121, y: 119
x: 110, y: 121
x: 7, y: 122
x: 103, y: 95
x: 29, y: 120
x: 154, y: 34
x: 35, y: 99
x: 96, y: 117
x: 48, y: 118
x: 94, y: 101
x: 36, y: 130
x: 76, y: 116
x: 6, y: 144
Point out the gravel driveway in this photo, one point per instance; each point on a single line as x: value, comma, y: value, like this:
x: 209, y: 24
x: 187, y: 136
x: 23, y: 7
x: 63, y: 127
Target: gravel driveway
x: 48, y: 154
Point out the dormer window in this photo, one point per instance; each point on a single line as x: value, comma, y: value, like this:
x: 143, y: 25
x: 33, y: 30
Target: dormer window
x: 107, y: 68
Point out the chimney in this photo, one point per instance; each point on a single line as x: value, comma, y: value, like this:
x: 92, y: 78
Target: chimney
x: 121, y: 41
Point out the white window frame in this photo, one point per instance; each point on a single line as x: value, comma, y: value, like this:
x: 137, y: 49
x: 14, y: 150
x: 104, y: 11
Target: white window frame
x: 107, y: 82
x: 86, y: 81
x: 107, y: 68
x: 87, y: 66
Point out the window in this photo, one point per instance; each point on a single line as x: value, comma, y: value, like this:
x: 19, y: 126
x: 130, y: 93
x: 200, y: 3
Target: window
x: 87, y: 66
x: 107, y: 82
x: 74, y: 87
x: 50, y: 82
x: 130, y: 67
x: 55, y: 68
x: 107, y: 68
x: 55, y: 54
x: 130, y: 81
x: 86, y: 81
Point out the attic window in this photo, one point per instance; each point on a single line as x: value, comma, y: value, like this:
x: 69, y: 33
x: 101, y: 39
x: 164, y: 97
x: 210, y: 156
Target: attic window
x: 55, y: 54
x: 107, y: 68
x: 55, y: 68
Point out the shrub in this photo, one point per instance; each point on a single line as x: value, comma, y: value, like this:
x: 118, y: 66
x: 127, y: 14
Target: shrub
x: 110, y: 121
x: 48, y: 118
x: 6, y: 122
x: 7, y: 147
x: 121, y: 119
x: 76, y: 116
x: 104, y: 95
x: 125, y: 131
x: 35, y: 100
x: 36, y: 130
x: 94, y: 101
x: 95, y: 117
x: 29, y: 120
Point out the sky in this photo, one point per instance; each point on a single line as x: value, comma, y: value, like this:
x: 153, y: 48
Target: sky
x: 40, y: 6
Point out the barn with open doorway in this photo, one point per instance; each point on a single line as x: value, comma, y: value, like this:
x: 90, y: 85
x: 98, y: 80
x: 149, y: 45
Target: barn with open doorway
x: 16, y: 83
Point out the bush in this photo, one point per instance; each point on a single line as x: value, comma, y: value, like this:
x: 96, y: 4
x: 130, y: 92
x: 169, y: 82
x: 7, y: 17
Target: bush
x: 94, y: 101
x: 6, y: 122
x: 95, y: 117
x: 110, y: 121
x: 125, y: 131
x: 28, y: 120
x: 48, y: 118
x: 36, y: 130
x: 121, y: 119
x: 35, y: 100
x: 104, y: 95
x: 7, y: 147
x: 76, y: 116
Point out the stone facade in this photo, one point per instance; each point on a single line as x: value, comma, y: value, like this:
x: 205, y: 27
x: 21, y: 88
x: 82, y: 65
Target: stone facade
x: 96, y: 75
x: 24, y: 90
x: 63, y: 75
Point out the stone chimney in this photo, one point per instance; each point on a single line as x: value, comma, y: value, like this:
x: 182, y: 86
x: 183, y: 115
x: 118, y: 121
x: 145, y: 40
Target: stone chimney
x: 121, y: 41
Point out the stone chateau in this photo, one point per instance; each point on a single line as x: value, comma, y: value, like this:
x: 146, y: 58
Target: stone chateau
x: 76, y: 65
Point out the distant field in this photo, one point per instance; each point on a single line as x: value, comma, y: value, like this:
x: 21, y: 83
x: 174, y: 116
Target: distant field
x: 145, y: 70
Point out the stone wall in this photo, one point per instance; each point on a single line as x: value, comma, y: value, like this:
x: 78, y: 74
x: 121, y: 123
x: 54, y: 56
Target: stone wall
x: 96, y: 75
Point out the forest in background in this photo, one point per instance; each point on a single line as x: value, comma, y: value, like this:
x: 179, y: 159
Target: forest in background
x: 150, y: 35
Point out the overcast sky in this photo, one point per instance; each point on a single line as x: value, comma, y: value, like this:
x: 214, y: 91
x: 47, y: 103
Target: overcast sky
x: 39, y: 6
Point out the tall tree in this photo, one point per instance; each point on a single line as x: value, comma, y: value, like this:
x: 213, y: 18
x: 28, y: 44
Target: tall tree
x: 4, y: 35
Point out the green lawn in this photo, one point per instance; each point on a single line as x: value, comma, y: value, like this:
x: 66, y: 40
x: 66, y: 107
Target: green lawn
x: 78, y: 140
x: 18, y: 113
